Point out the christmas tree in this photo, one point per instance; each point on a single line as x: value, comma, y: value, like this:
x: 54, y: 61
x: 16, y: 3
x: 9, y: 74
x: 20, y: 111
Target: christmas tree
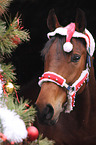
x: 16, y: 116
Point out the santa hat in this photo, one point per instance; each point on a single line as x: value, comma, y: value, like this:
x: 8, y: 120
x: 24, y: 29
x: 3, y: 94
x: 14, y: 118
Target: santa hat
x: 69, y: 32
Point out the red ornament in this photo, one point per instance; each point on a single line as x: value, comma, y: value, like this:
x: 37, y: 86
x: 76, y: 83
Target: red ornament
x: 16, y: 40
x: 32, y: 133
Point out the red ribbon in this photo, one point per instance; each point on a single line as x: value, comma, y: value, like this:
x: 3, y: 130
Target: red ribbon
x: 16, y: 95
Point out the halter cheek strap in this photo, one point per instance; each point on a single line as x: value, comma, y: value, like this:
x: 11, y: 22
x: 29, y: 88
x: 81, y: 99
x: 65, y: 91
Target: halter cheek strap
x: 60, y: 81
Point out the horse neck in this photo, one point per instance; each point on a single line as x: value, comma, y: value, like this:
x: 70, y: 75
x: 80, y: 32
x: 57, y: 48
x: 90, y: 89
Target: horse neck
x: 86, y: 101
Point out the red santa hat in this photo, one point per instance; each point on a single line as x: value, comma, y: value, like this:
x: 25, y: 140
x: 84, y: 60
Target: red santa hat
x: 67, y: 47
x: 69, y: 32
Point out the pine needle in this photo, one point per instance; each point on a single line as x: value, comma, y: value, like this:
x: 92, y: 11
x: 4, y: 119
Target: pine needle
x: 12, y: 36
x: 8, y: 72
x: 4, y: 4
x: 43, y: 141
x: 26, y: 114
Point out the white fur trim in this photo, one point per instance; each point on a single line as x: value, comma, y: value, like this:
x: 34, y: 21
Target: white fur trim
x: 47, y: 80
x: 83, y: 74
x: 67, y: 47
x: 69, y: 107
x: 63, y: 31
x: 59, y: 30
x: 50, y: 80
x: 13, y: 127
x: 92, y: 43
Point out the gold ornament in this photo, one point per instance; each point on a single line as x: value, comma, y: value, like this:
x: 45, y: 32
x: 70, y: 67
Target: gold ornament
x: 9, y: 87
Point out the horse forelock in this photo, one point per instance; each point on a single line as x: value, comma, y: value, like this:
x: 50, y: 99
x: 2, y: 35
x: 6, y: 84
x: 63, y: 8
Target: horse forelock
x: 48, y: 44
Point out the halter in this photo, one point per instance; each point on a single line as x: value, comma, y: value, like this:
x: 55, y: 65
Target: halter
x: 69, y: 32
x: 60, y: 81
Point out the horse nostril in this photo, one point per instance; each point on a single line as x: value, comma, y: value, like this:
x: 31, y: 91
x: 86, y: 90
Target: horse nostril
x: 48, y: 112
x: 46, y: 115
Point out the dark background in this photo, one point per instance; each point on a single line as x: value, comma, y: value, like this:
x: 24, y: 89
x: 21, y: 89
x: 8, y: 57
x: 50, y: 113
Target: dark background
x: 26, y: 58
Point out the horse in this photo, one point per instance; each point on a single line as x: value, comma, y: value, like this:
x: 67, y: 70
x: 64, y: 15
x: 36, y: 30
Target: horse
x: 66, y: 103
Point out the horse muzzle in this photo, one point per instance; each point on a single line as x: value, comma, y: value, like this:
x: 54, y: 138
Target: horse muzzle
x: 46, y: 115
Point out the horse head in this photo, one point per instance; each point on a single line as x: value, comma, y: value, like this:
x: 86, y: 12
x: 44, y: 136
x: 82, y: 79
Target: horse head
x: 64, y: 64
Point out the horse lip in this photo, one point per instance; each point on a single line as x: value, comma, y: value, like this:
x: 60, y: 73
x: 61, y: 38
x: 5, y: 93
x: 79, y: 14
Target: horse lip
x: 45, y: 121
x: 48, y: 122
x: 52, y: 122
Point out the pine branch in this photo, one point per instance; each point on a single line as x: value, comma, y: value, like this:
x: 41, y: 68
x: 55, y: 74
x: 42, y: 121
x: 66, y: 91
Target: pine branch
x: 12, y: 36
x: 43, y: 141
x: 26, y: 114
x: 4, y: 4
x: 8, y: 72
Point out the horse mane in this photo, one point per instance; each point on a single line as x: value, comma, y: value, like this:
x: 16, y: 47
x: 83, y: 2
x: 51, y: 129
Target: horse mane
x: 48, y: 44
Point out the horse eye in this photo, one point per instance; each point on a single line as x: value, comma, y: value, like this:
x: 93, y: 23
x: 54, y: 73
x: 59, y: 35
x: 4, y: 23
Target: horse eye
x: 75, y: 58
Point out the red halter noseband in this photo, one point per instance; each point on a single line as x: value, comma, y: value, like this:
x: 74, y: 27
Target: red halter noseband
x: 55, y: 78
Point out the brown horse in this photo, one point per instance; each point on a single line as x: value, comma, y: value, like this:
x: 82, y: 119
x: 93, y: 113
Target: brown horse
x: 78, y: 127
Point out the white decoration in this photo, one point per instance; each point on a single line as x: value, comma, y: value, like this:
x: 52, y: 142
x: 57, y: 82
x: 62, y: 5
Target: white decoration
x: 13, y: 127
x: 67, y: 47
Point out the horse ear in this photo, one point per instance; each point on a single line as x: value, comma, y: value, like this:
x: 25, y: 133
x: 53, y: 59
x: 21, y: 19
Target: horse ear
x: 80, y: 21
x: 52, y: 21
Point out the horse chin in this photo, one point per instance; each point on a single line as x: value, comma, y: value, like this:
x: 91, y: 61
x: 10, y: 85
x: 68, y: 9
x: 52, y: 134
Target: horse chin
x: 48, y: 122
x: 51, y: 122
x: 54, y: 120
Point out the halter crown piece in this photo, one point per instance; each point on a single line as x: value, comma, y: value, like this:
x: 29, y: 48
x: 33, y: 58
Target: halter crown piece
x: 69, y: 32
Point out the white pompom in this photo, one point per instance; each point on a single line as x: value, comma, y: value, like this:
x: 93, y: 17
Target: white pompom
x: 67, y: 47
x: 13, y: 127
